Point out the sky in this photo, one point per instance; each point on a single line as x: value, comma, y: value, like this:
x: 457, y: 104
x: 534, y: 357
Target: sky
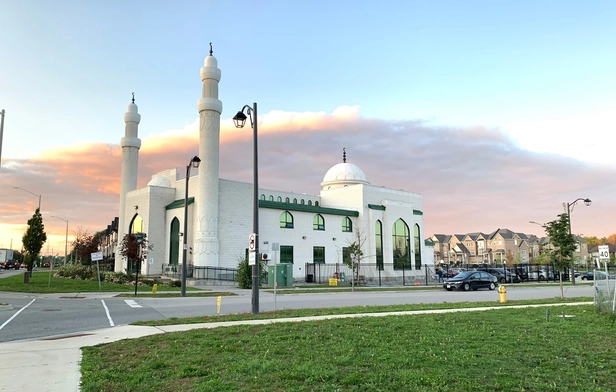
x: 496, y: 112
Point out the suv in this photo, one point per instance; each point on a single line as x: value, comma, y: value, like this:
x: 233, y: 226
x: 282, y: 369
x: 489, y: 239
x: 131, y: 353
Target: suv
x: 10, y: 264
x: 504, y: 276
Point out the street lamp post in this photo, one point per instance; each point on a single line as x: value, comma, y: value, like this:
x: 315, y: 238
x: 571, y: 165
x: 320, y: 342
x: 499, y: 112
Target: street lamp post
x: 65, y: 237
x: 570, y: 206
x: 32, y: 193
x: 239, y: 120
x: 194, y: 162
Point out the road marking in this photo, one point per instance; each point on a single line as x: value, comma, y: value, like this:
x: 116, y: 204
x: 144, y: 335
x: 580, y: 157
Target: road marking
x: 108, y: 315
x: 15, y: 315
x: 132, y: 303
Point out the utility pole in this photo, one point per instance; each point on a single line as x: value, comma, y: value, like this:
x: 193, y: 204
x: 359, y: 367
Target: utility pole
x: 1, y: 132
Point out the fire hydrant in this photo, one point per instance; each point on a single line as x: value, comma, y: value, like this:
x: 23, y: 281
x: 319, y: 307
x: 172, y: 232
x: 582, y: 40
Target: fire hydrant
x: 503, y: 294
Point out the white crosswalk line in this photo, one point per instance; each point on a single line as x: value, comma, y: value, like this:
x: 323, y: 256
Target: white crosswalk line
x: 132, y: 303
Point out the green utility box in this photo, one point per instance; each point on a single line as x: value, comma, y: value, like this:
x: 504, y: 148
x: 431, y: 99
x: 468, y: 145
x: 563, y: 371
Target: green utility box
x: 284, y: 275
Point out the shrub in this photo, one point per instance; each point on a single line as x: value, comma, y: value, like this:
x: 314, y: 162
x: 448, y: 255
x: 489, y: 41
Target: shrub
x: 76, y: 271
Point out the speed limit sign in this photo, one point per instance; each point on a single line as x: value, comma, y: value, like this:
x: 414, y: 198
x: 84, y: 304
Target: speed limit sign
x: 604, y: 252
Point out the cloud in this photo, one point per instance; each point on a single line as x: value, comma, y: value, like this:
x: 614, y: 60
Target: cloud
x: 472, y: 179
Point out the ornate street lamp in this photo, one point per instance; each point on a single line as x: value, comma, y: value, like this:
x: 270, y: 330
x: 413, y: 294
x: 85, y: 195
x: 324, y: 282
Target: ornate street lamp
x: 239, y: 120
x: 193, y: 163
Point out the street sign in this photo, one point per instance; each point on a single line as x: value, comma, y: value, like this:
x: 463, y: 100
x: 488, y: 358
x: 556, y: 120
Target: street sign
x: 251, y: 242
x: 252, y: 259
x: 97, y: 256
x: 604, y: 252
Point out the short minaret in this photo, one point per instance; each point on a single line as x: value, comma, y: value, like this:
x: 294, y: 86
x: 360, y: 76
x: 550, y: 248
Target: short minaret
x: 205, y: 249
x: 128, y: 181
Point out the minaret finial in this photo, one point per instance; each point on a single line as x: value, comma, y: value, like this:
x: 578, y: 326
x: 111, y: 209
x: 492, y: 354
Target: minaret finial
x: 133, y: 97
x: 211, y: 50
x: 344, y: 155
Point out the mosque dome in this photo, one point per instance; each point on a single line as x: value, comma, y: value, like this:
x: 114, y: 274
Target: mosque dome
x: 343, y: 174
x: 160, y: 181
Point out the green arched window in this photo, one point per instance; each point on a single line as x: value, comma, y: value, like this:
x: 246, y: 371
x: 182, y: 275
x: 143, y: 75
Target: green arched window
x: 286, y: 220
x: 279, y: 199
x: 401, y: 245
x: 136, y: 226
x: 347, y: 225
x: 378, y: 241
x: 262, y: 197
x: 174, y: 246
x: 318, y: 223
x: 417, y: 236
x: 286, y: 199
x: 309, y: 202
x: 271, y: 198
x: 294, y: 200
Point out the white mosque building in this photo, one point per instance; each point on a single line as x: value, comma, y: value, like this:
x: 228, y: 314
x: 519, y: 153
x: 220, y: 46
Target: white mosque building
x: 307, y: 228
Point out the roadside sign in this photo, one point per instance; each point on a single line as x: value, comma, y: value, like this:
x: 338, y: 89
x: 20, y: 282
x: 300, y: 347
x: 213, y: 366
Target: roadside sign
x: 96, y: 256
x: 604, y: 252
x: 251, y: 242
x: 252, y: 258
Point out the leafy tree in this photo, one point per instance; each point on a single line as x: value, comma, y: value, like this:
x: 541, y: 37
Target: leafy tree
x: 244, y: 273
x: 612, y: 239
x: 592, y: 241
x: 34, y: 238
x: 134, y: 247
x: 356, y: 254
x: 509, y: 257
x: 85, y: 244
x: 564, y: 245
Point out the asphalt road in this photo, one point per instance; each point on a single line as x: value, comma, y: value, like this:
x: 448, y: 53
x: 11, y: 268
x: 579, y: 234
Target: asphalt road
x: 47, y: 315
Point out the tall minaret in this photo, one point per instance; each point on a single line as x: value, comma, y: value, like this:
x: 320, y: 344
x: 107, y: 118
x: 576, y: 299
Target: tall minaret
x: 128, y: 181
x: 205, y: 250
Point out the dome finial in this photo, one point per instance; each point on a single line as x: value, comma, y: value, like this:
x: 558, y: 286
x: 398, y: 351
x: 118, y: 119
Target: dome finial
x: 211, y: 50
x: 343, y: 155
x: 133, y: 97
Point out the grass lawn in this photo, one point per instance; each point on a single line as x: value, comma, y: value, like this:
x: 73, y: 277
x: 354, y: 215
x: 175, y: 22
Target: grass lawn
x: 492, y: 350
x: 40, y: 283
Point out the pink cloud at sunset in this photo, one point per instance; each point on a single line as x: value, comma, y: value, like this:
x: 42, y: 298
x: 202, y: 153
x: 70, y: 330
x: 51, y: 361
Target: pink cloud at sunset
x: 472, y: 179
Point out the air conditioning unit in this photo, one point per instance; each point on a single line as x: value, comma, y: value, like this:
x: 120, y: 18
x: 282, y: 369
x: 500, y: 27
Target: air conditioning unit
x: 265, y: 256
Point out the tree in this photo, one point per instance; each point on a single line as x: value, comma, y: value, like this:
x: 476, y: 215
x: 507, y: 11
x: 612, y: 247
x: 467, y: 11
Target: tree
x: 509, y: 257
x: 592, y: 241
x: 34, y: 238
x: 355, y: 252
x: 612, y: 239
x: 244, y: 273
x: 134, y: 247
x: 564, y: 245
x: 85, y: 244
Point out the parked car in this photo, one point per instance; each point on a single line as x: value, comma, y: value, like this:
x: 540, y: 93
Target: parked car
x: 504, y: 276
x: 521, y: 272
x: 541, y: 275
x: 471, y: 280
x: 599, y: 275
x: 10, y: 264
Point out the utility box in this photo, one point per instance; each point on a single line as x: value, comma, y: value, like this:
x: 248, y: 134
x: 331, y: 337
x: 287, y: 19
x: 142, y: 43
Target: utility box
x: 284, y: 275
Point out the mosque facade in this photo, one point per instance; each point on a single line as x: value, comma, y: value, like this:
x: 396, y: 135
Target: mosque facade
x: 295, y: 228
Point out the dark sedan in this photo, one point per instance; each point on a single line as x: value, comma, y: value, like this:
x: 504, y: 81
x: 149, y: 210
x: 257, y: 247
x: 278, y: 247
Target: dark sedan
x: 471, y: 280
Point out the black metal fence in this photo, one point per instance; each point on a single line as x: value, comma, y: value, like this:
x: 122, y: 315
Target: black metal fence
x: 371, y: 274
x: 174, y: 271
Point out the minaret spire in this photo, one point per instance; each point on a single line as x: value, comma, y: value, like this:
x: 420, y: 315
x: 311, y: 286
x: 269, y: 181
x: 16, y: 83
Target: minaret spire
x: 205, y: 237
x: 344, y: 155
x: 130, y: 144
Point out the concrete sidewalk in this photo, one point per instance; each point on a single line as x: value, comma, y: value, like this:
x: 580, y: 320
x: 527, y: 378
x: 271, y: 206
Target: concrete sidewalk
x: 52, y: 364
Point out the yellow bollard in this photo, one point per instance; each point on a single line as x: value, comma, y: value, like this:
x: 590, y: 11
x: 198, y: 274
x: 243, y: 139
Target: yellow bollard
x: 218, y: 304
x: 503, y: 294
x: 154, y: 288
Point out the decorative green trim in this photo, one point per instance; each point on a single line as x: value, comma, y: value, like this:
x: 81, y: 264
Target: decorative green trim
x: 429, y: 243
x: 376, y: 207
x: 305, y: 208
x: 179, y: 203
x: 417, y: 212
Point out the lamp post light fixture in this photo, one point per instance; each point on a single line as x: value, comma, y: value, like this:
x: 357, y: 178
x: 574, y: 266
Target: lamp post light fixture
x: 570, y: 206
x: 32, y: 193
x: 65, y: 238
x: 239, y: 120
x: 194, y: 162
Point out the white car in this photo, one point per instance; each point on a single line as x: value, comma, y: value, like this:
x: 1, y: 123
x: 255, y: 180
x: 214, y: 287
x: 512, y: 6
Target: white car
x: 541, y: 275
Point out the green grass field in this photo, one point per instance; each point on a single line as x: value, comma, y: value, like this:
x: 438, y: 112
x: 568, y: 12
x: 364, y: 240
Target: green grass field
x: 494, y: 350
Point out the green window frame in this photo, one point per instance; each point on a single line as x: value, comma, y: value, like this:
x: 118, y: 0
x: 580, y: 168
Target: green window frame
x: 401, y: 245
x: 286, y: 254
x: 286, y: 220
x: 318, y: 254
x: 262, y: 196
x: 271, y: 197
x: 378, y: 240
x: 347, y: 225
x: 279, y: 199
x: 286, y: 199
x: 417, y: 240
x: 318, y: 223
